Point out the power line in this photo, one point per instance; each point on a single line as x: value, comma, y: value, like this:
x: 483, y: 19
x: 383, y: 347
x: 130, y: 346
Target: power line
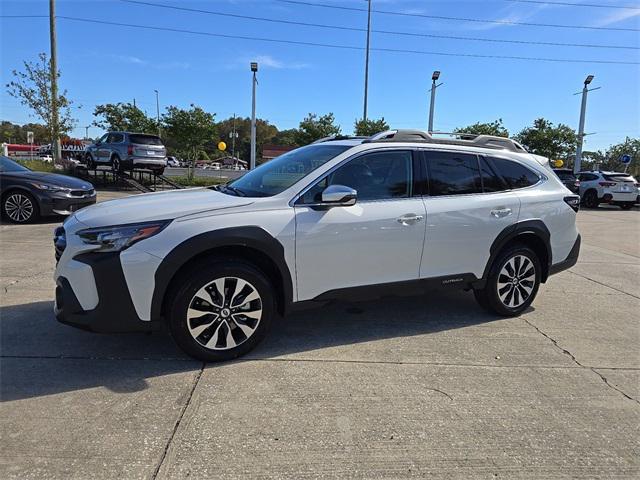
x: 338, y: 46
x: 459, y: 19
x: 385, y: 32
x: 572, y: 4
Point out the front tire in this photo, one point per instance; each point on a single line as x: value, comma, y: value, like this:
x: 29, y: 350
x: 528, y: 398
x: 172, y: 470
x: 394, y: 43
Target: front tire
x: 513, y: 282
x: 220, y: 309
x: 116, y: 165
x: 91, y: 164
x: 20, y: 207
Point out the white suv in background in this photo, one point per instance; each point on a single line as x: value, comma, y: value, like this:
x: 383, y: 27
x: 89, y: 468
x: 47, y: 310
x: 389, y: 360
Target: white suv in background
x: 614, y: 188
x: 400, y: 208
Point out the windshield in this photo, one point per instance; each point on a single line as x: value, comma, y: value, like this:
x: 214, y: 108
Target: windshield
x: 279, y: 174
x: 8, y: 165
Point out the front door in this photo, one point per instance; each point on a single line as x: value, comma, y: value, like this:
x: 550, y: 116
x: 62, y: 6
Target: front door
x: 378, y: 240
x: 467, y: 207
x: 103, y: 153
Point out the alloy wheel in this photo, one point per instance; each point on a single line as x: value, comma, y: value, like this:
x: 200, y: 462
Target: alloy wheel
x: 19, y: 207
x: 516, y: 281
x: 224, y: 313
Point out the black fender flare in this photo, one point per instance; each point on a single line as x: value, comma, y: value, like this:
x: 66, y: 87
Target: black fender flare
x: 531, y: 227
x: 252, y: 237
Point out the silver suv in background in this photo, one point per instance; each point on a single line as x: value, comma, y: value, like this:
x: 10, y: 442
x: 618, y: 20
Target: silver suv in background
x: 614, y: 188
x: 126, y: 151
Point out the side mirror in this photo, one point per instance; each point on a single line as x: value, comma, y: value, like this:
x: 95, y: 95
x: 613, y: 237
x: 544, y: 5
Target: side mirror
x: 339, y: 195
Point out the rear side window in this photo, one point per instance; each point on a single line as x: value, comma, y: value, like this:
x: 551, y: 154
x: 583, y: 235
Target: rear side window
x: 453, y: 173
x: 565, y: 176
x: 587, y: 177
x: 516, y: 175
x: 145, y: 139
x: 490, y: 181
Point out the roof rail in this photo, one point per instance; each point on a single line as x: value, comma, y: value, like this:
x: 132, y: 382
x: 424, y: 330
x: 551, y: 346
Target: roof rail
x: 338, y: 137
x: 466, y: 139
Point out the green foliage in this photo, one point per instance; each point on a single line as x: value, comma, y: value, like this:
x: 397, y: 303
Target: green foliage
x: 33, y: 89
x: 549, y: 141
x: 13, y: 133
x: 492, y: 128
x: 286, y: 137
x: 313, y: 128
x: 610, y: 159
x: 124, y: 117
x: 189, y: 131
x: 265, y: 133
x: 37, y: 165
x: 368, y: 127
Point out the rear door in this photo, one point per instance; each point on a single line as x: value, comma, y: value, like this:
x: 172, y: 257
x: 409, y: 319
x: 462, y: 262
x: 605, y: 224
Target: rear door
x: 467, y: 206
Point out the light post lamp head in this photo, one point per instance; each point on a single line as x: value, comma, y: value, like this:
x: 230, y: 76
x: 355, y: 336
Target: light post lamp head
x: 435, y: 75
x: 254, y: 67
x: 587, y: 80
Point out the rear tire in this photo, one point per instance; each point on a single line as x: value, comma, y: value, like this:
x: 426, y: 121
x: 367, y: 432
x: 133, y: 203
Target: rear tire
x: 512, y: 283
x: 590, y: 199
x: 158, y: 171
x: 220, y: 309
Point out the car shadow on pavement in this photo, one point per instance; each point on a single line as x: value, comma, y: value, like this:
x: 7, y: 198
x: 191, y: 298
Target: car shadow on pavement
x: 43, y: 357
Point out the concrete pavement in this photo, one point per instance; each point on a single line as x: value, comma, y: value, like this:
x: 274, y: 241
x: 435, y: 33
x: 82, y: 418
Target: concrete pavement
x: 406, y: 387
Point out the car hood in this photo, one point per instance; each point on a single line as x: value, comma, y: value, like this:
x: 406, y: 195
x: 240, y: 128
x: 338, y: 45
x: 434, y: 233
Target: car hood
x: 157, y: 206
x: 51, y: 179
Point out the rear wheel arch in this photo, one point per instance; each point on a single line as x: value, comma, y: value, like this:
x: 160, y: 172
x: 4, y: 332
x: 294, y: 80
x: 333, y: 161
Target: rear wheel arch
x: 531, y: 233
x: 252, y: 245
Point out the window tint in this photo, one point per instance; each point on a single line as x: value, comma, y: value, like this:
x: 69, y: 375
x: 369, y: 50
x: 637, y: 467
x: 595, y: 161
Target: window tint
x: 565, y: 175
x: 375, y: 176
x: 145, y: 139
x: 490, y: 181
x: 453, y: 173
x: 104, y: 138
x: 516, y: 175
x: 587, y: 177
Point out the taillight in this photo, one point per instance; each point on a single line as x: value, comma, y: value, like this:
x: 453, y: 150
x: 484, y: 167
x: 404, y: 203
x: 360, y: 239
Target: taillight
x: 573, y: 201
x: 606, y: 184
x: 576, y: 183
x: 130, y: 150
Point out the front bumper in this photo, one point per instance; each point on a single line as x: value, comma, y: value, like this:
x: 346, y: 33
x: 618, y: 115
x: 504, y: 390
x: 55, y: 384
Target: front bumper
x: 114, y: 313
x: 63, y: 204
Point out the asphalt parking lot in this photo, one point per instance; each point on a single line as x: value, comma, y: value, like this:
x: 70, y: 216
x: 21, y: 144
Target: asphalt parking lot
x: 411, y: 387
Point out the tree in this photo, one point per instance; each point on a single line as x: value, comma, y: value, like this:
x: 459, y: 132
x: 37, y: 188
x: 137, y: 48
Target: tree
x: 492, y: 128
x: 189, y: 131
x: 313, y: 128
x: 286, y: 137
x: 123, y: 117
x: 265, y: 133
x: 13, y: 133
x: 549, y: 141
x: 611, y: 160
x: 368, y: 127
x: 33, y: 89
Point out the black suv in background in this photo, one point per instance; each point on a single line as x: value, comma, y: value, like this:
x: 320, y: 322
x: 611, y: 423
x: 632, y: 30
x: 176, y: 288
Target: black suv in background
x: 568, y: 179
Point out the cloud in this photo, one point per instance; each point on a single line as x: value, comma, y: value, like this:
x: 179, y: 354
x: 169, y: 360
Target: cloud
x: 133, y: 60
x: 267, y: 61
x: 616, y: 17
x: 513, y: 14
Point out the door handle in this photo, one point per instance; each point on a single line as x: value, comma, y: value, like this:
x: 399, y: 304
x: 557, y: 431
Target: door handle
x: 501, y: 212
x: 409, y: 219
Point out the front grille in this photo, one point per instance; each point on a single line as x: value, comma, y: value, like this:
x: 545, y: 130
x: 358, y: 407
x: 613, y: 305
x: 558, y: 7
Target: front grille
x: 81, y: 193
x: 59, y: 242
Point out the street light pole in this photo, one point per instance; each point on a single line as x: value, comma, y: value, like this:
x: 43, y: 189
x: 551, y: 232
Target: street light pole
x: 366, y: 63
x: 233, y: 139
x: 583, y: 110
x: 158, y: 111
x: 86, y: 132
x: 434, y: 78
x: 254, y: 69
x: 55, y: 137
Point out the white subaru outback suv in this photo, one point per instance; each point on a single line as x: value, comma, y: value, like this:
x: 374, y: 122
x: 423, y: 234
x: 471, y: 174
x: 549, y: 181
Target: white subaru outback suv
x: 215, y: 265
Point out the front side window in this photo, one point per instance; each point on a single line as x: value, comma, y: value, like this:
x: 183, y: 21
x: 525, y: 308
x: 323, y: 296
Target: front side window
x: 277, y: 175
x: 104, y: 138
x: 375, y: 176
x: 515, y: 174
x: 453, y: 173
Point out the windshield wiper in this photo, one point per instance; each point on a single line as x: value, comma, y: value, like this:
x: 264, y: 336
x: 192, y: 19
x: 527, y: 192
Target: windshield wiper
x: 227, y: 188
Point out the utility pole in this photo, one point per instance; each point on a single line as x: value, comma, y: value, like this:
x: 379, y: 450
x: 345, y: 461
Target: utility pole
x: 366, y: 64
x: 233, y: 136
x: 55, y: 123
x: 583, y: 110
x: 86, y: 132
x: 434, y: 78
x: 158, y: 111
x: 252, y: 164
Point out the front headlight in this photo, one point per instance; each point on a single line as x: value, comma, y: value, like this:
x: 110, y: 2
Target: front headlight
x: 119, y: 237
x: 49, y: 188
